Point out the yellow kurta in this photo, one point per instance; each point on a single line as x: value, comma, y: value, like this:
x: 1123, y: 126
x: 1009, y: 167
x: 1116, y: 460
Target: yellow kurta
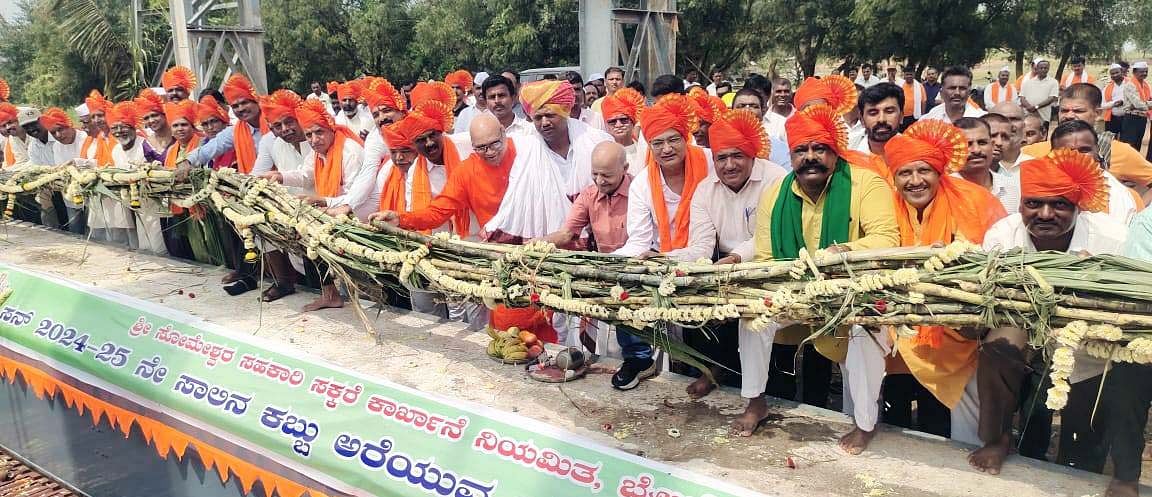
x: 871, y: 224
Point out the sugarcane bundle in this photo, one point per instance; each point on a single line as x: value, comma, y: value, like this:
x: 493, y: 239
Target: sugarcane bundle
x: 955, y: 286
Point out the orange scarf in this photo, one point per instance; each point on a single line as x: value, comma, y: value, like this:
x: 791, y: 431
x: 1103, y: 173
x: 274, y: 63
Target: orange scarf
x: 103, y: 155
x: 330, y: 169
x: 176, y: 153
x: 393, y: 196
x: 695, y: 169
x: 245, y: 146
x: 1009, y: 92
x: 9, y: 155
x: 1144, y: 91
x: 913, y: 96
x: 1109, y: 89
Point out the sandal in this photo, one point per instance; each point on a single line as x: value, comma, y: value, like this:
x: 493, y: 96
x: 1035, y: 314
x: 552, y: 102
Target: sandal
x: 276, y: 292
x: 551, y: 374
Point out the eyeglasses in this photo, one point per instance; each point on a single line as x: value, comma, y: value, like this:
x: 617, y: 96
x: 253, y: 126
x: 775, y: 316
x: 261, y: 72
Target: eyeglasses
x: 619, y: 120
x: 671, y: 141
x: 495, y: 146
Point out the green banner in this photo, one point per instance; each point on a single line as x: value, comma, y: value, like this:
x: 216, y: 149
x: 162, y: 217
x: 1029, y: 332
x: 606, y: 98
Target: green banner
x: 357, y: 434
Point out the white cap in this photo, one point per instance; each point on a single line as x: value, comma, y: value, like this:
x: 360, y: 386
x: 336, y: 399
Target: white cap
x: 82, y: 110
x: 159, y: 91
x: 1038, y: 60
x: 1140, y: 65
x: 1004, y: 69
x: 27, y: 115
x: 480, y: 78
x: 595, y: 76
x: 1115, y: 66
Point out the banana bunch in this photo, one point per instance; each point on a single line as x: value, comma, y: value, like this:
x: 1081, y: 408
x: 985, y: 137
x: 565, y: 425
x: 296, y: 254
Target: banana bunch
x: 513, y: 344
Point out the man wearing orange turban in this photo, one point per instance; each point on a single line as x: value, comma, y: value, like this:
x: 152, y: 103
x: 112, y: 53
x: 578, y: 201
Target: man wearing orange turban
x: 178, y: 82
x: 243, y: 137
x: 835, y: 91
x: 1062, y: 200
x: 144, y: 228
x: 150, y: 108
x: 354, y: 116
x: 461, y: 83
x: 722, y: 221
x: 329, y: 170
x: 823, y: 204
x: 16, y: 140
x: 707, y: 109
x: 66, y: 147
x: 108, y: 219
x: 932, y: 207
x: 621, y: 115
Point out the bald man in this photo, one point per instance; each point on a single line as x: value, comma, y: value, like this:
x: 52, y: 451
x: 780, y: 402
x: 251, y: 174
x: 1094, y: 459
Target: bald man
x: 602, y: 209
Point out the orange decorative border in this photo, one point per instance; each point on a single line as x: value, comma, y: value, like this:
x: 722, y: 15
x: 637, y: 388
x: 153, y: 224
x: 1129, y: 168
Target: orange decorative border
x: 165, y: 439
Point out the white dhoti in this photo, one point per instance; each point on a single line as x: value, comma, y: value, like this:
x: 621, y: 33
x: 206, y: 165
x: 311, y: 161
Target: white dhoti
x: 149, y: 231
x: 966, y: 415
x: 755, y: 357
x: 863, y: 372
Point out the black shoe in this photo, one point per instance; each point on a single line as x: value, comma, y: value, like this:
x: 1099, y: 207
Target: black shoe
x: 240, y: 286
x: 632, y: 372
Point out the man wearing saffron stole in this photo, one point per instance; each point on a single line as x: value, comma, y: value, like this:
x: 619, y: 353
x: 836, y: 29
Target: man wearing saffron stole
x: 932, y: 208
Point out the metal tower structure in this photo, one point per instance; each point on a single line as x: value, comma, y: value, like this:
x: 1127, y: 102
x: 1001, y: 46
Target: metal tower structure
x: 215, y: 38
x: 636, y: 35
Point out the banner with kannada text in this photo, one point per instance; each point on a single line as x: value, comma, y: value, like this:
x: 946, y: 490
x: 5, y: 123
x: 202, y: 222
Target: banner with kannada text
x: 358, y: 434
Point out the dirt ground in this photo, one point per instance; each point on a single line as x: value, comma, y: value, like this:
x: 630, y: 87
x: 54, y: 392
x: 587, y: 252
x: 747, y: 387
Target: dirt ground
x: 442, y: 357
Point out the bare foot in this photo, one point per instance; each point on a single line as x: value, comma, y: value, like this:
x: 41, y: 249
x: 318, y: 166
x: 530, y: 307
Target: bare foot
x: 1117, y: 488
x: 856, y: 441
x: 231, y: 277
x: 756, y: 412
x: 700, y: 388
x: 990, y: 457
x: 325, y: 302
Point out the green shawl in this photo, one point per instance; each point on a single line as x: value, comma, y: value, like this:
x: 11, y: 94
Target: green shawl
x: 788, y: 227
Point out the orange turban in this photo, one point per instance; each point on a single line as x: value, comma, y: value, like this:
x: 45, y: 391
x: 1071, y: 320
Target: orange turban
x: 940, y: 144
x: 400, y: 133
x: 460, y: 78
x: 1066, y: 173
x: 55, y: 116
x: 381, y: 93
x: 437, y: 91
x: 314, y: 112
x: 820, y: 124
x: 178, y: 77
x: 836, y: 91
x: 280, y: 104
x: 431, y: 115
x: 708, y: 107
x: 184, y: 109
x: 238, y: 88
x: 558, y: 96
x: 123, y: 113
x: 673, y: 111
x: 97, y: 103
x: 348, y: 89
x: 7, y: 112
x: 148, y: 102
x: 739, y: 129
x: 5, y: 91
x: 209, y: 108
x: 625, y: 102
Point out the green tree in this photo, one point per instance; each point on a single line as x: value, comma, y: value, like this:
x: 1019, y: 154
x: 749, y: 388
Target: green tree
x: 308, y: 40
x: 719, y: 34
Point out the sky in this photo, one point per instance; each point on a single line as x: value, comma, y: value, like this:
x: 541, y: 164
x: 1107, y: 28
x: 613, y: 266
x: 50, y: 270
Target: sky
x: 8, y: 9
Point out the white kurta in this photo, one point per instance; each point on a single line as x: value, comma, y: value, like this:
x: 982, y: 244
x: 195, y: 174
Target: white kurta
x: 351, y: 163
x: 643, y: 234
x: 723, y: 219
x: 364, y: 197
x: 360, y: 122
x: 104, y: 212
x: 147, y: 217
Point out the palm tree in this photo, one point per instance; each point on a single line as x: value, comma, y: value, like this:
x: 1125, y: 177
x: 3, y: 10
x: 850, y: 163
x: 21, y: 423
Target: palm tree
x: 103, y: 40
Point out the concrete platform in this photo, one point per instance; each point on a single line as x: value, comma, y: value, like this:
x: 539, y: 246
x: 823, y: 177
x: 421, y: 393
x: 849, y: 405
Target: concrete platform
x: 444, y: 358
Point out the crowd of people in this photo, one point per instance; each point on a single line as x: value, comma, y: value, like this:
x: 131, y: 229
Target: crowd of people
x: 688, y: 172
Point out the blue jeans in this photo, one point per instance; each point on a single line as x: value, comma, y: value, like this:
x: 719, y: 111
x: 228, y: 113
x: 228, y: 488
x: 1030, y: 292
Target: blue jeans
x: 632, y: 347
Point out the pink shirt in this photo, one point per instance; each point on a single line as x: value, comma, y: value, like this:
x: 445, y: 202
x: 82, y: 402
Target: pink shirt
x: 606, y: 216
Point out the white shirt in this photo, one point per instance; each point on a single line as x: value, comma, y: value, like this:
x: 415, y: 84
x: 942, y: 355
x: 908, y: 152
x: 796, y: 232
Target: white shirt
x: 636, y: 162
x: 724, y: 219
x: 464, y: 120
x: 1010, y: 175
x: 1006, y: 189
x: 872, y: 80
x: 711, y: 88
x: 857, y: 136
x: 774, y: 125
x: 1121, y: 205
x: 283, y: 157
x: 642, y: 232
x: 351, y: 163
x: 938, y: 113
x: 364, y: 196
x: 1098, y: 234
x: 62, y: 153
x: 1007, y: 93
x: 41, y: 154
x: 592, y: 118
x: 375, y: 149
x: 358, y: 123
x: 1037, y: 90
x: 519, y: 127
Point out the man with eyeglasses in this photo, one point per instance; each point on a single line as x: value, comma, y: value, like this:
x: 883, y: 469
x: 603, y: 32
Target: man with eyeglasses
x: 620, y: 111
